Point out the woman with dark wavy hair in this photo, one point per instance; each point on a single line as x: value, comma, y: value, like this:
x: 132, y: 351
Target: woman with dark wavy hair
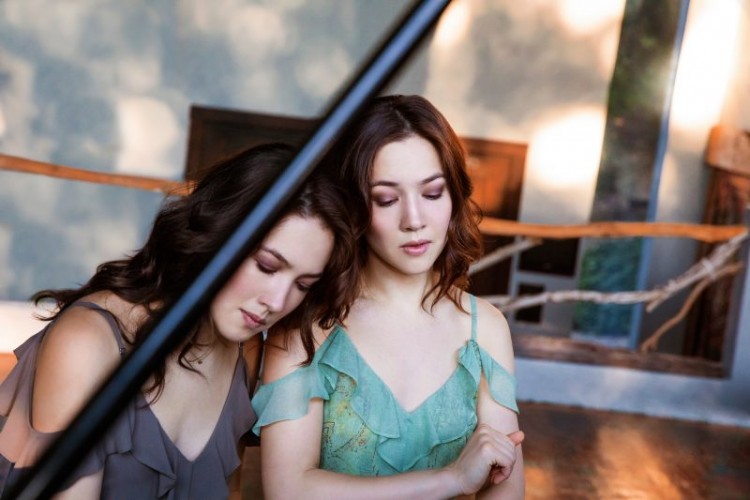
x: 181, y: 436
x: 416, y: 390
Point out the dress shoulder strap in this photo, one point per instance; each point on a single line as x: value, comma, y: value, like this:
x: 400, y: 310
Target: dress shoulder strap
x: 473, y: 301
x: 114, y: 325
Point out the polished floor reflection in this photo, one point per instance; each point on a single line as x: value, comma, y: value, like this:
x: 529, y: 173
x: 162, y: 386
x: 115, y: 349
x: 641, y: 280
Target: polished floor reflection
x: 576, y: 453
x: 573, y: 453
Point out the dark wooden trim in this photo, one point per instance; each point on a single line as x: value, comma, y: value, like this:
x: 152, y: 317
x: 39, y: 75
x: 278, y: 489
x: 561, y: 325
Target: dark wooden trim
x: 216, y: 133
x: 729, y: 149
x: 534, y: 346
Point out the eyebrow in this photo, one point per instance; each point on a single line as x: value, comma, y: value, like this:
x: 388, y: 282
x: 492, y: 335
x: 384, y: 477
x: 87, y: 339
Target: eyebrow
x: 395, y: 184
x: 286, y: 262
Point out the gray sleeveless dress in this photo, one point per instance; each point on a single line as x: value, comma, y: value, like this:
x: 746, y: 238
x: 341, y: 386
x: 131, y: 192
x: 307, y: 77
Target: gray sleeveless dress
x: 138, y: 458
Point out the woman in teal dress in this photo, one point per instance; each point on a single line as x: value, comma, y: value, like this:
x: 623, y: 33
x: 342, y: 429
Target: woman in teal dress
x: 414, y: 395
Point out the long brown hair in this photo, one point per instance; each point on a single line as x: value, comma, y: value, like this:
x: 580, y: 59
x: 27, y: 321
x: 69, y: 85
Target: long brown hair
x: 395, y: 118
x: 189, y: 230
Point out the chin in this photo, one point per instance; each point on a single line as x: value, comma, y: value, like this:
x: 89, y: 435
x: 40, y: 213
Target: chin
x: 239, y: 336
x: 415, y: 269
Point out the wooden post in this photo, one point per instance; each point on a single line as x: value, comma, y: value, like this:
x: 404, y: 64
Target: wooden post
x: 729, y: 149
x: 734, y: 316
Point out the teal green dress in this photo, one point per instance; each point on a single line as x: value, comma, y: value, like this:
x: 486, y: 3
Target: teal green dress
x: 365, y: 430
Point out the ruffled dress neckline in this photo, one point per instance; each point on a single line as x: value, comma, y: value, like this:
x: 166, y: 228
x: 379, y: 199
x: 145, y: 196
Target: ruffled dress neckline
x: 365, y: 429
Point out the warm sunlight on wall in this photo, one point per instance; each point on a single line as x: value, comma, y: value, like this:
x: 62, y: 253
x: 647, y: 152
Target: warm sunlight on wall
x: 585, y: 16
x: 148, y: 130
x: 706, y: 66
x: 453, y: 25
x: 565, y: 150
x: 561, y: 166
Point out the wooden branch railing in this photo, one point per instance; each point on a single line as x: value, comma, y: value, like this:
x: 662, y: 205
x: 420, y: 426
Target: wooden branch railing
x: 707, y: 271
x: 700, y: 232
x: 16, y: 164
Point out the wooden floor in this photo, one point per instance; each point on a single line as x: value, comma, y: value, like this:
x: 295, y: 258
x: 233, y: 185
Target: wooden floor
x: 577, y: 453
x: 573, y: 453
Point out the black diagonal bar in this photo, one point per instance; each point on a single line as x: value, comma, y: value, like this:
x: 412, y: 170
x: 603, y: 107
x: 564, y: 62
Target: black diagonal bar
x: 88, y: 426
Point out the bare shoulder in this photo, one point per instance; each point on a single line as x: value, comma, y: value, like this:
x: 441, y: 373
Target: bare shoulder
x: 493, y: 334
x: 284, y: 352
x: 83, y: 334
x: 77, y: 353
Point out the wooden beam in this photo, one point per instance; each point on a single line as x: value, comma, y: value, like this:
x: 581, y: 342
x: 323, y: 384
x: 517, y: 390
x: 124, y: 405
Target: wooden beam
x: 701, y: 232
x: 535, y: 346
x: 16, y: 164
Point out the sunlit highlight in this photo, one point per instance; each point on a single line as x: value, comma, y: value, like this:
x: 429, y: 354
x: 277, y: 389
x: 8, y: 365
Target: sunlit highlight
x: 633, y: 471
x: 607, y: 46
x: 584, y: 16
x: 3, y: 125
x: 148, y: 131
x: 454, y: 25
x: 565, y: 151
x: 671, y: 197
x: 706, y: 66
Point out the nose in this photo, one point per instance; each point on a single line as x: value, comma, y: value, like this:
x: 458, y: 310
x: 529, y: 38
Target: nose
x: 412, y: 217
x: 275, y: 297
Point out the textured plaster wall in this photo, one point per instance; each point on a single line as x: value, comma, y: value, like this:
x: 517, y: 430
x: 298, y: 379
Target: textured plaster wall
x: 107, y: 85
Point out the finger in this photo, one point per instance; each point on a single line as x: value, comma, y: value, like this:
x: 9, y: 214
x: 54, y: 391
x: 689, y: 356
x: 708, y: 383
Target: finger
x: 500, y: 474
x: 517, y: 437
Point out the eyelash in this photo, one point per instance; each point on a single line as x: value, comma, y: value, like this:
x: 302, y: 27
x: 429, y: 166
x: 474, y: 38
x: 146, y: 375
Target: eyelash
x: 269, y: 270
x: 432, y: 197
x: 385, y: 203
x: 264, y: 269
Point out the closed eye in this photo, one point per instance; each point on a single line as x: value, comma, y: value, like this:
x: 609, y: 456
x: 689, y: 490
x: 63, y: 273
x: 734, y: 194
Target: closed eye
x: 264, y: 268
x: 435, y: 194
x: 385, y: 202
x: 304, y: 287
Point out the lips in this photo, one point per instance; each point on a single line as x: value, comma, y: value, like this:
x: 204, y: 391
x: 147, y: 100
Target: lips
x: 416, y: 248
x: 253, y: 320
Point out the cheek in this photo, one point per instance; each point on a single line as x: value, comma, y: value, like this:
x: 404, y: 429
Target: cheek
x: 244, y: 282
x: 442, y: 212
x: 448, y: 214
x: 293, y: 299
x: 379, y: 227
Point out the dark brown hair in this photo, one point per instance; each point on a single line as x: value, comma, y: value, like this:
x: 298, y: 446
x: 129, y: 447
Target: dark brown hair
x: 395, y: 118
x: 189, y: 230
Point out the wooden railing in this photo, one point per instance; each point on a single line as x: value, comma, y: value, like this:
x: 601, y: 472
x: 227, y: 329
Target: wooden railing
x: 16, y: 164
